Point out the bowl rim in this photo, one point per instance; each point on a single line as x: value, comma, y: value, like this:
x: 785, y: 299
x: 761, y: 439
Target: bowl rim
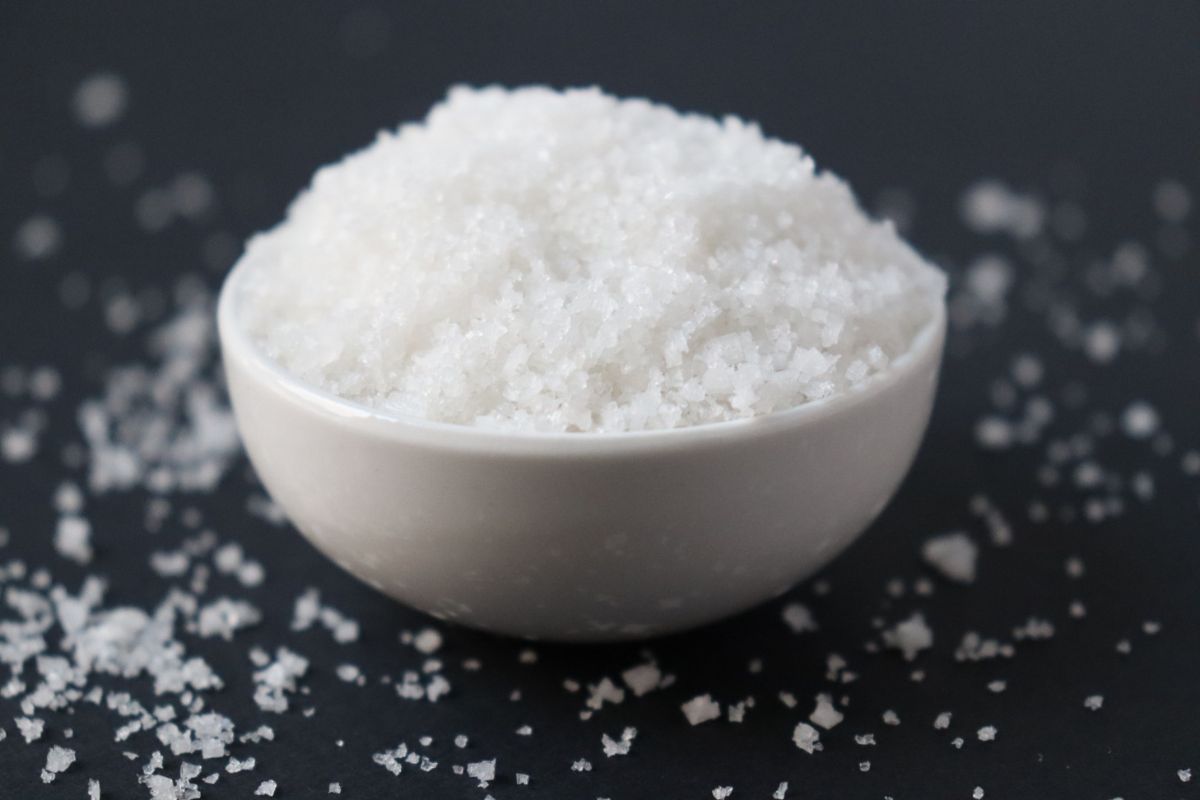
x: 236, y: 344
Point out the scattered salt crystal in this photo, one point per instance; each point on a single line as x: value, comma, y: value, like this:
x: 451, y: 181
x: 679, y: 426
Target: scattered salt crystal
x: 1172, y: 200
x: 996, y: 687
x: 990, y: 206
x: 58, y: 759
x: 30, y: 728
x: 957, y: 742
x: 265, y: 789
x: 522, y: 779
x: 524, y: 730
x: 427, y: 641
x: 483, y: 771
x: 722, y: 792
x: 1185, y: 775
x: 864, y: 739
x: 987, y: 733
x: 1027, y: 371
x: 581, y: 765
x: 1074, y: 567
x: 100, y: 99
x: 780, y: 792
x: 953, y: 555
x: 17, y: 445
x: 806, y: 737
x: 798, y: 618
x: 1102, y: 342
x: 38, y: 237
x: 93, y: 789
x: 864, y: 766
x: 994, y: 433
x: 977, y: 794
x: 335, y: 788
x: 1093, y: 702
x: 604, y: 692
x: 642, y: 678
x: 1139, y: 420
x: 910, y: 637
x: 890, y: 717
x: 1151, y: 627
x: 942, y: 721
x: 824, y: 714
x: 701, y: 708
x: 613, y: 747
x: 223, y: 617
x: 460, y: 741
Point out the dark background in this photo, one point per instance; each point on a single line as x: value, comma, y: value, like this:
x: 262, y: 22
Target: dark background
x: 1096, y: 100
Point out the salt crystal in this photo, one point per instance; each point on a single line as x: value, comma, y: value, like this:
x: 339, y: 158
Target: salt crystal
x: 93, y: 789
x: 1102, y: 342
x: 987, y: 733
x: 265, y: 789
x: 1185, y: 775
x: 994, y: 433
x: 100, y: 100
x: 1093, y: 702
x: 701, y: 708
x: 581, y: 765
x: 953, y: 555
x: 942, y: 721
x: 722, y: 792
x: 825, y: 715
x: 613, y: 747
x: 58, y: 759
x: 818, y: 296
x: 30, y: 728
x: 780, y: 792
x: 989, y: 206
x: 335, y: 788
x: 642, y: 678
x: 604, y: 692
x: 427, y: 641
x: 38, y: 237
x: 522, y: 779
x: 806, y: 737
x: 482, y: 771
x: 798, y: 618
x: 890, y: 717
x: 1139, y: 420
x: 1172, y: 200
x: 910, y: 637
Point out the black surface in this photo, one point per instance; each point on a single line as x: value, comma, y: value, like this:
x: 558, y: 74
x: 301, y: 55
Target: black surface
x: 924, y: 96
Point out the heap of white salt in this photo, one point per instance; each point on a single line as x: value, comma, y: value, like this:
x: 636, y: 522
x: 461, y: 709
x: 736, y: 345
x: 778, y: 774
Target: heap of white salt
x: 568, y: 261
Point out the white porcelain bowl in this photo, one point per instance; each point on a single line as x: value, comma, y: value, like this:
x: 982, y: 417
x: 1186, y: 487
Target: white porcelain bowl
x: 579, y: 536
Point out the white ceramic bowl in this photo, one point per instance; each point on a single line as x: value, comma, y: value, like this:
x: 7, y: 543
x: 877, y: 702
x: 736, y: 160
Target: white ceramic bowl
x: 579, y: 536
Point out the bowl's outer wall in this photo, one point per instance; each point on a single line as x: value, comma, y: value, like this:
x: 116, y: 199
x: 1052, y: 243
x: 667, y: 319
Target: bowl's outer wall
x: 611, y: 544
